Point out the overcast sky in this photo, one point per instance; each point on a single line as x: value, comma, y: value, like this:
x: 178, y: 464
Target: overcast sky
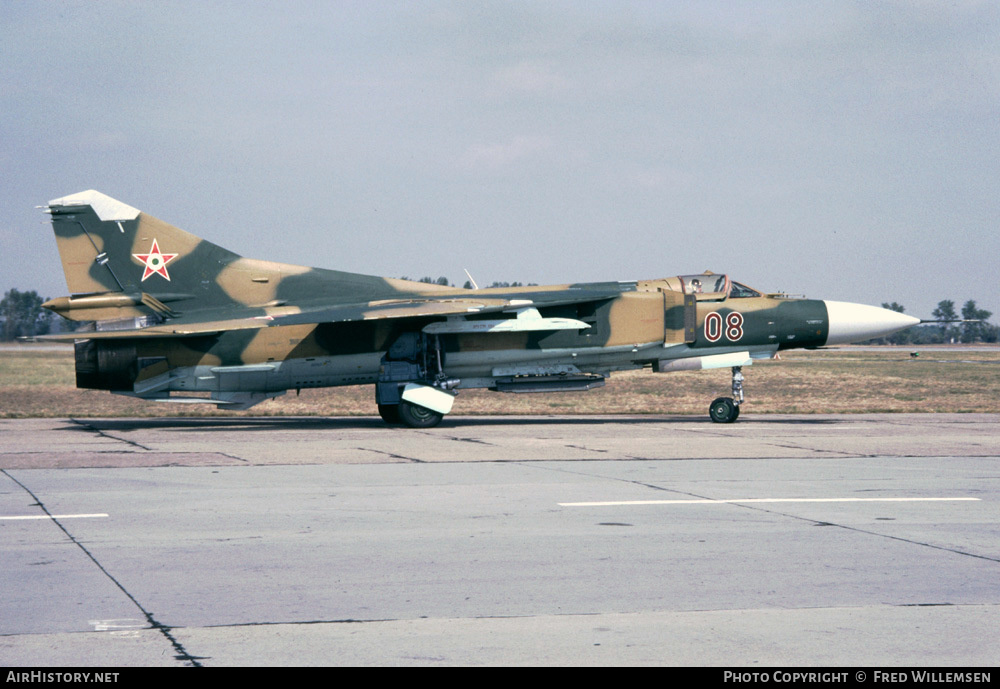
x: 842, y: 150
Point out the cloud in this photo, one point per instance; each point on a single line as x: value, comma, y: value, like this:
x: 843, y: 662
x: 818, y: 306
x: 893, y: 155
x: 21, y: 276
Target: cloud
x: 503, y: 154
x: 531, y: 77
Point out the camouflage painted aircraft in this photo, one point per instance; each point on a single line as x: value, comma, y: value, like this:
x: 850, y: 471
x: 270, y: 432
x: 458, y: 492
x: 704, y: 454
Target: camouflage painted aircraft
x: 166, y: 315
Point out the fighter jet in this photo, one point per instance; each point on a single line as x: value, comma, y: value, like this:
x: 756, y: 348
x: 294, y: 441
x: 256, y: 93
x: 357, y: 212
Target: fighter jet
x: 167, y: 316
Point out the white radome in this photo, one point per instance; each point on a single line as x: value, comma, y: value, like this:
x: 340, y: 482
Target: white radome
x: 856, y: 322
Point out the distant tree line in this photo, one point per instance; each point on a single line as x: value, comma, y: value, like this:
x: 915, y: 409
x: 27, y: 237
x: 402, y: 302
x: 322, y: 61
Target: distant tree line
x: 22, y: 315
x: 468, y: 283
x: 976, y: 330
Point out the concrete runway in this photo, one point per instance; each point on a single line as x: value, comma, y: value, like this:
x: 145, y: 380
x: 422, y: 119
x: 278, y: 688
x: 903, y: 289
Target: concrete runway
x: 868, y: 540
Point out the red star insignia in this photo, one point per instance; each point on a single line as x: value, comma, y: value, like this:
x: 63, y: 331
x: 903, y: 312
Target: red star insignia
x: 155, y: 261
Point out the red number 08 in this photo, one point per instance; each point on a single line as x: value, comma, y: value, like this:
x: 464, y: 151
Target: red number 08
x: 733, y: 327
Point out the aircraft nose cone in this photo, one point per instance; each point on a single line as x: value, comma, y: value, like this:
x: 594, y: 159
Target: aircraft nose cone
x: 856, y: 322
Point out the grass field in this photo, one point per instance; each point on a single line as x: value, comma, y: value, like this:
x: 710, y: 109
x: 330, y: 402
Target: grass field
x: 38, y: 381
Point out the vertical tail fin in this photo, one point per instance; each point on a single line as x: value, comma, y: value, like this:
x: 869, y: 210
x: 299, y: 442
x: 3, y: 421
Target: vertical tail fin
x: 122, y: 263
x: 108, y: 246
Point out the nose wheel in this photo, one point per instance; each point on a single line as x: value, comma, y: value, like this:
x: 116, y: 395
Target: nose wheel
x: 727, y: 409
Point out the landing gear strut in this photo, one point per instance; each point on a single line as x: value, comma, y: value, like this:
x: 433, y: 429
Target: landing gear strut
x: 726, y: 409
x: 412, y: 388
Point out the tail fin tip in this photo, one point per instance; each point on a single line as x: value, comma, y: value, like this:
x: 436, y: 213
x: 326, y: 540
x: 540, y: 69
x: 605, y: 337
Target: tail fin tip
x: 104, y: 206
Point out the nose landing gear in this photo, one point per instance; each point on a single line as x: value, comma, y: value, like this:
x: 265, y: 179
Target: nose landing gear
x: 727, y: 409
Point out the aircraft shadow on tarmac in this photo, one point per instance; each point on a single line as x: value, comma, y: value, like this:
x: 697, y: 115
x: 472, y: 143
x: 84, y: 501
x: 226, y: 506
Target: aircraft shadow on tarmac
x: 266, y: 423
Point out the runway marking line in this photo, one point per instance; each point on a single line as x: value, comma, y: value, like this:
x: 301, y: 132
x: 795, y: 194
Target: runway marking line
x: 755, y: 501
x: 54, y: 516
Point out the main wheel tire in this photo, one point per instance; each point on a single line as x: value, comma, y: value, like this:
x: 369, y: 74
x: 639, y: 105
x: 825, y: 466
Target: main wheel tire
x: 724, y: 410
x: 415, y: 416
x: 389, y: 413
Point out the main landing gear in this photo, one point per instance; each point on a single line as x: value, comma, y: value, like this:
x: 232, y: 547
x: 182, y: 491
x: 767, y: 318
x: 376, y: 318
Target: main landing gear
x: 409, y: 414
x: 416, y: 416
x: 727, y: 409
x: 412, y: 388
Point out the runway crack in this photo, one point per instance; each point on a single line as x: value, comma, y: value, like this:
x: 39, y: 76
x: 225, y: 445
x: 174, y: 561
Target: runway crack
x: 391, y: 455
x: 837, y: 453
x: 180, y: 652
x: 586, y: 449
x: 228, y: 456
x: 633, y: 482
x: 98, y: 431
x: 298, y: 622
x: 867, y: 532
x: 460, y: 440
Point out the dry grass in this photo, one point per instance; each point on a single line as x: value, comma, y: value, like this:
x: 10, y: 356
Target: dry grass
x: 39, y: 382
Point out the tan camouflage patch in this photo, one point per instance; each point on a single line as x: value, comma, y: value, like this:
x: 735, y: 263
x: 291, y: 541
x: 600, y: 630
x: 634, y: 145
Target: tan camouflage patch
x: 252, y: 282
x: 277, y: 344
x: 636, y: 318
x: 77, y: 253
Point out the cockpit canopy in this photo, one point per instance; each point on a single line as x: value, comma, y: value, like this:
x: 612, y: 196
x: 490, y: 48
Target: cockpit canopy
x: 711, y: 287
x: 707, y: 283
